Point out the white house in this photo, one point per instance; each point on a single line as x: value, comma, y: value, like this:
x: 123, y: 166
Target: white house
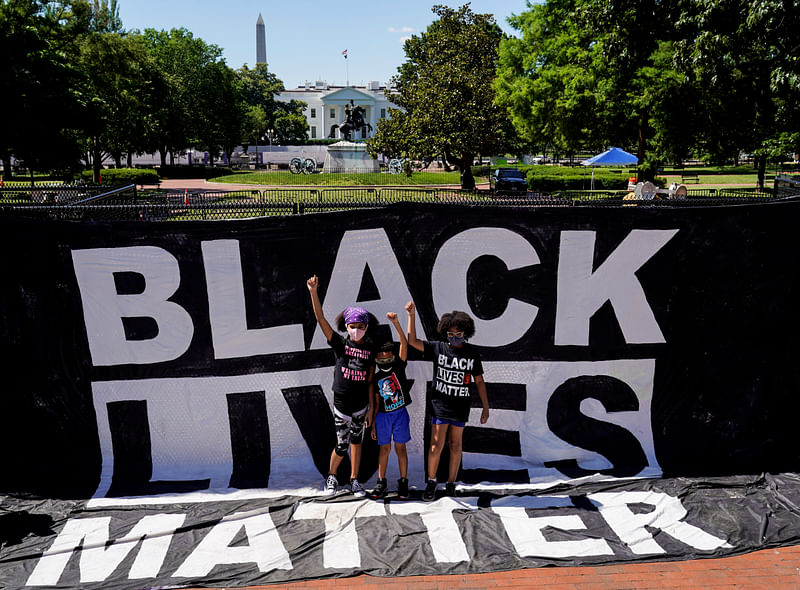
x: 326, y: 106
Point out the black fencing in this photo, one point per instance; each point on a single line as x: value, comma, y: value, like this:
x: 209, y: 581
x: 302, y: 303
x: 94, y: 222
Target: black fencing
x: 87, y: 202
x: 26, y: 193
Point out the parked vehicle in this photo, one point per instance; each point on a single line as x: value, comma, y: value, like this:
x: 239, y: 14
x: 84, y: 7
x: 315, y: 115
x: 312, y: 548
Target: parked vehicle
x: 508, y: 181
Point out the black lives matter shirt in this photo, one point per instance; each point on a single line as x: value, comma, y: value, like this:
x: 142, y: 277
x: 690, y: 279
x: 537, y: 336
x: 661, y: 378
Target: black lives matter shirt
x: 454, y: 371
x: 350, y: 385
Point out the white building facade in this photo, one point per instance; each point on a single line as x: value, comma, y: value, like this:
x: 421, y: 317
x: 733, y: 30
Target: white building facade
x: 325, y: 107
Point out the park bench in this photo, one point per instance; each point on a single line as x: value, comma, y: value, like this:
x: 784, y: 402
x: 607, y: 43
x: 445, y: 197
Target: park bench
x: 687, y: 176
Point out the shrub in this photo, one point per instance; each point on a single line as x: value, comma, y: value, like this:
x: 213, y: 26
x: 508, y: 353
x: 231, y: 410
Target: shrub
x: 549, y: 179
x: 481, y: 170
x: 124, y: 176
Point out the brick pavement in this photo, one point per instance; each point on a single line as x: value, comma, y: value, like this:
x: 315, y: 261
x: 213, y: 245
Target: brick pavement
x: 769, y: 569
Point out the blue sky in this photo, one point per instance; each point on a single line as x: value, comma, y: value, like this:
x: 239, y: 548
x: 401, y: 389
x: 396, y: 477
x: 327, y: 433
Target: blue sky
x: 305, y: 39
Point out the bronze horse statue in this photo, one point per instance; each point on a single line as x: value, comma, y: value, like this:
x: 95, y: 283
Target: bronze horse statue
x: 354, y: 120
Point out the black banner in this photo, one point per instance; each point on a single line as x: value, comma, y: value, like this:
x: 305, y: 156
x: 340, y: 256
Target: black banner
x: 144, y: 359
x: 167, y: 542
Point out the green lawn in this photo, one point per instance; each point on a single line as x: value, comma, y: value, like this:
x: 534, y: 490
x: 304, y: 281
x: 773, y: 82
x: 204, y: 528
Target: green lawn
x: 285, y: 178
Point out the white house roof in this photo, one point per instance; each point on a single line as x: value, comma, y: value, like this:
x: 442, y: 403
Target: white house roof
x: 343, y: 95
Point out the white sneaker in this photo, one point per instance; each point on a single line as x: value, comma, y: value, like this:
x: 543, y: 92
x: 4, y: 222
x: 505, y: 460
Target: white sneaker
x: 357, y: 488
x: 331, y: 484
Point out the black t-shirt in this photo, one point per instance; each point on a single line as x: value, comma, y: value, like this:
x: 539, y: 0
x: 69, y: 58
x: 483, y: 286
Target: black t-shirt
x: 353, y: 362
x: 392, y: 387
x: 454, y: 371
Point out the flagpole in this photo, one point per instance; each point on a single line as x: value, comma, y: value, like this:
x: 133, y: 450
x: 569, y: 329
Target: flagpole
x: 347, y: 67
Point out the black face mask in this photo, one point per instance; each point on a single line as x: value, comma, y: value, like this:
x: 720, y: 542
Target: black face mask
x: 456, y: 340
x: 384, y: 364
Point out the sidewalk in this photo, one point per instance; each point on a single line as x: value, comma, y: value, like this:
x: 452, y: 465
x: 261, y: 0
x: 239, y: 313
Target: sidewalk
x: 769, y: 569
x: 200, y: 185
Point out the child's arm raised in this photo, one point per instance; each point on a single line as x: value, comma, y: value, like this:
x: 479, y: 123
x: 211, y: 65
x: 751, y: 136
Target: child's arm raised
x: 403, y: 353
x: 312, y: 284
x: 412, y: 327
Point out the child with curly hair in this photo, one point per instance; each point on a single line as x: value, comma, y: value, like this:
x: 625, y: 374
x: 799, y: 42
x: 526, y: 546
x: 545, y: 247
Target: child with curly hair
x: 456, y: 364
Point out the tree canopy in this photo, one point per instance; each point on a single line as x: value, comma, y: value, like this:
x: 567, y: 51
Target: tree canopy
x: 674, y: 78
x: 81, y: 87
x: 447, y: 108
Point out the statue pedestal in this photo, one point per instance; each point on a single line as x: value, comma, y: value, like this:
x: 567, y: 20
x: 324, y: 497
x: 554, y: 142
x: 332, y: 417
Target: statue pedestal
x: 347, y: 156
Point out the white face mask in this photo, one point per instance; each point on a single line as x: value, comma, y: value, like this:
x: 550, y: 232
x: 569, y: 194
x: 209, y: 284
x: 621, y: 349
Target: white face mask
x: 356, y: 334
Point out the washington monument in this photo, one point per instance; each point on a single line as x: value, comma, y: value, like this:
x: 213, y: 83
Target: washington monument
x: 261, y: 41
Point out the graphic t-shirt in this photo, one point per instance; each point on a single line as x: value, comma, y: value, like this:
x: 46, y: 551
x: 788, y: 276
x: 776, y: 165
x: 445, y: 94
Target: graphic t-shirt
x: 350, y: 385
x: 454, y: 371
x: 392, y: 387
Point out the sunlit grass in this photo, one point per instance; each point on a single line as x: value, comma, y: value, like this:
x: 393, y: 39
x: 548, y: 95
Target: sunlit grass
x: 285, y: 178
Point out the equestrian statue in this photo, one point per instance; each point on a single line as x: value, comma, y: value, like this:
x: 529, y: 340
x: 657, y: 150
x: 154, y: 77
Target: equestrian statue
x: 354, y: 119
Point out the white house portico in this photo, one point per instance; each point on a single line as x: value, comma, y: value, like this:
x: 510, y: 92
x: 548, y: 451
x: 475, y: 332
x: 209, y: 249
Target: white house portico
x: 326, y: 106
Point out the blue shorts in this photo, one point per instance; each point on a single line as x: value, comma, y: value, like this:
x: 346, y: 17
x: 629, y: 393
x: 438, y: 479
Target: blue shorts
x: 436, y: 420
x: 393, y: 425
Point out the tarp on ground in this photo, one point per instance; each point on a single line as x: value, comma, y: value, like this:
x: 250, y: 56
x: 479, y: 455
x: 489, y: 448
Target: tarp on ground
x: 166, y: 388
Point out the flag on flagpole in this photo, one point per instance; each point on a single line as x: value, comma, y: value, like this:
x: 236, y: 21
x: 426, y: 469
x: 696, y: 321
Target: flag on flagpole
x: 344, y: 53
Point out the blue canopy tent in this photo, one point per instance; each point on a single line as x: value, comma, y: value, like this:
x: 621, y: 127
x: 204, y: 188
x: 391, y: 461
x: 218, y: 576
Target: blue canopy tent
x: 611, y: 157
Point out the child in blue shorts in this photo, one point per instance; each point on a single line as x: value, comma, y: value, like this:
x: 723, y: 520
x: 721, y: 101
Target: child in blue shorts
x: 456, y: 366
x: 391, y: 399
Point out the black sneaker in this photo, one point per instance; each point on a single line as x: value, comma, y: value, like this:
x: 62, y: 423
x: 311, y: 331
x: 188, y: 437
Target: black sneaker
x: 429, y: 495
x: 450, y: 489
x: 402, y: 487
x: 380, y: 488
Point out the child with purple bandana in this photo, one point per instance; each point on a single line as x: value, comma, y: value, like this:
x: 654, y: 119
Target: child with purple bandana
x: 352, y: 384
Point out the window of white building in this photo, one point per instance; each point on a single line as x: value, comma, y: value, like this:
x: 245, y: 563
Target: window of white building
x: 333, y: 113
x: 313, y: 132
x: 313, y: 113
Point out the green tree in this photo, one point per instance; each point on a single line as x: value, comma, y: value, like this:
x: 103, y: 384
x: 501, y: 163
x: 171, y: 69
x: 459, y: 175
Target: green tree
x: 545, y: 79
x: 219, y: 110
x: 588, y: 73
x: 445, y: 93
x: 180, y: 59
x: 114, y: 92
x: 36, y: 79
x: 260, y: 88
x: 743, y: 57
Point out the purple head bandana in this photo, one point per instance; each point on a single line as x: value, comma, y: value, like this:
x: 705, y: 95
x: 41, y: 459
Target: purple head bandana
x: 353, y: 315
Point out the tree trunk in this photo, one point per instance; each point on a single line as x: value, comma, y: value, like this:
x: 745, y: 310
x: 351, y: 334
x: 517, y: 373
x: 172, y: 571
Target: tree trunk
x: 644, y: 173
x: 7, y: 172
x: 130, y: 160
x: 96, y: 160
x: 163, y: 153
x: 467, y: 180
x: 761, y: 163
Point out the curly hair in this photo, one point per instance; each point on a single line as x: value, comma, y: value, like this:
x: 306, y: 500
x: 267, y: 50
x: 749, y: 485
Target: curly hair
x: 342, y: 327
x: 460, y: 320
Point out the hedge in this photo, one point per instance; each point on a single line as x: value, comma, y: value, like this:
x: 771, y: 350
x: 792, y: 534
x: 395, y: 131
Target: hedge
x: 124, y: 176
x: 548, y: 179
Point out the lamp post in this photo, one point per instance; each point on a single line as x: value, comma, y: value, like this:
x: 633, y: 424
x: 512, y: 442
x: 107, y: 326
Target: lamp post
x: 268, y: 137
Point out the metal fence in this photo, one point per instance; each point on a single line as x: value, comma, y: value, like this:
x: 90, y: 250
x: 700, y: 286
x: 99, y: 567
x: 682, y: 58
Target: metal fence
x: 101, y: 203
